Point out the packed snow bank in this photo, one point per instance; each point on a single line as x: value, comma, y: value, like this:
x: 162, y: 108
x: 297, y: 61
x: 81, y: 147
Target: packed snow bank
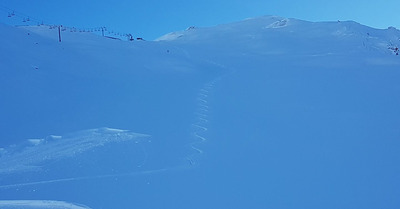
x: 35, y: 153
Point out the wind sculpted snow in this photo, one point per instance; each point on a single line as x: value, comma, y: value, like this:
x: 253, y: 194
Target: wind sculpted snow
x: 43, y: 204
x: 37, y: 154
x: 268, y: 112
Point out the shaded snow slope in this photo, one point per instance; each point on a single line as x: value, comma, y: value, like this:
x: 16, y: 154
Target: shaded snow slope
x: 269, y: 112
x: 43, y: 80
x: 88, y: 81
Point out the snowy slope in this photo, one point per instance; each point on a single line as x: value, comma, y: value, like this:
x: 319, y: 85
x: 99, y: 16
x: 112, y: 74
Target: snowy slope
x: 272, y: 34
x: 268, y: 112
x: 82, y: 68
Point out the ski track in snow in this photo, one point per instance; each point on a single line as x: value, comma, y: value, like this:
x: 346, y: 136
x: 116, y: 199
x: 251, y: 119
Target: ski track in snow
x: 104, y: 176
x: 201, y: 121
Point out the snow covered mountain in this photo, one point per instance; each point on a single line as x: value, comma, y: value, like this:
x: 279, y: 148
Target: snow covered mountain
x: 268, y: 112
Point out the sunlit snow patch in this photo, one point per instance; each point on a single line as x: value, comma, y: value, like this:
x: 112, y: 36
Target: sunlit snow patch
x: 170, y: 36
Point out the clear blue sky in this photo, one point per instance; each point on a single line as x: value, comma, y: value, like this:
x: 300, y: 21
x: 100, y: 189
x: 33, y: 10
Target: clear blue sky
x: 153, y: 18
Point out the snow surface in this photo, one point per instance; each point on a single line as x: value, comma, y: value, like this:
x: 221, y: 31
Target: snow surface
x: 269, y: 112
x: 42, y: 204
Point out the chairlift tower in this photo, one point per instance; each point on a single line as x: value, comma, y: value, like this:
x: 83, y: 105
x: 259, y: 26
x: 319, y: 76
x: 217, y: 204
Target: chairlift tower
x: 59, y: 33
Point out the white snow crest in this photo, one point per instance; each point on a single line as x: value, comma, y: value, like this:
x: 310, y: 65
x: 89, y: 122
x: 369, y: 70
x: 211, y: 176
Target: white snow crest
x: 171, y: 36
x: 42, y: 204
